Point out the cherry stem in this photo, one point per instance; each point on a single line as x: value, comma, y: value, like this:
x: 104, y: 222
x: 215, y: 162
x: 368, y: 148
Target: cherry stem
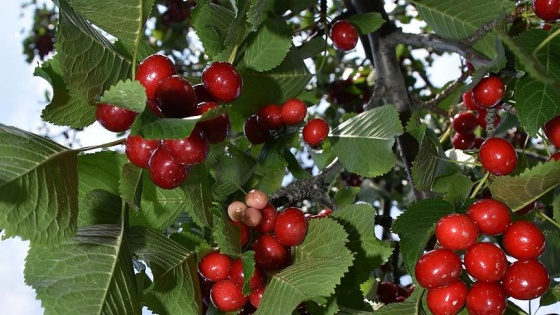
x: 233, y: 54
x: 102, y: 146
x: 549, y: 219
x: 445, y: 135
x: 481, y: 182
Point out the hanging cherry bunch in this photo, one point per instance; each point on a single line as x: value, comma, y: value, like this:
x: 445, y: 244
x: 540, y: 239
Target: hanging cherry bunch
x: 170, y: 95
x: 494, y: 278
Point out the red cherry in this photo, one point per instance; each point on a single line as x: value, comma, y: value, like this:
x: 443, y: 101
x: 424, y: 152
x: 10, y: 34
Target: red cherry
x: 227, y: 297
x: 387, y: 292
x: 202, y: 94
x: 256, y: 199
x: 524, y: 240
x: 215, y: 266
x: 140, y: 150
x: 291, y: 227
x: 152, y: 105
x: 526, y: 279
x: 222, y: 81
x: 464, y: 122
x: 486, y: 262
x: 486, y: 298
x: 489, y: 92
x: 555, y: 157
x: 315, y: 131
x: 498, y: 156
x: 152, y: 70
x: 463, y: 141
x: 271, y: 116
x: 256, y: 296
x: 492, y: 216
x: 191, y: 150
x: 270, y: 255
x: 268, y: 221
x: 437, y: 268
x: 481, y: 119
x: 456, y: 231
x: 238, y: 277
x: 344, y: 35
x: 527, y: 209
x: 165, y: 171
x: 547, y: 10
x: 175, y: 97
x: 478, y: 142
x: 468, y: 101
x: 113, y: 118
x: 552, y: 131
x: 216, y: 129
x: 293, y: 111
x: 255, y: 131
x: 447, y: 300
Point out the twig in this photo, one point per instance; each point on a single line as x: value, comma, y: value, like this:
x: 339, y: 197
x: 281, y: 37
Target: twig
x: 432, y: 104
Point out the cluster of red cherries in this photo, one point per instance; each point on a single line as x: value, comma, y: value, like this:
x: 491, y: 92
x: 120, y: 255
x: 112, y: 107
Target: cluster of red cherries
x: 259, y: 127
x: 270, y: 234
x: 170, y: 95
x: 494, y: 278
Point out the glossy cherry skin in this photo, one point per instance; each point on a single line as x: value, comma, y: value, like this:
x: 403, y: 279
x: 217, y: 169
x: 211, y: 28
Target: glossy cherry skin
x: 524, y: 240
x: 498, y: 156
x: 555, y: 157
x: 456, y: 231
x: 344, y: 35
x: 387, y: 292
x: 238, y: 277
x: 547, y: 10
x: 447, y: 300
x: 191, y: 150
x: 552, y: 131
x: 202, y: 94
x: 463, y: 141
x: 464, y: 122
x: 255, y: 131
x: 270, y: 255
x: 271, y: 116
x: 486, y: 298
x: 152, y: 105
x: 215, y: 266
x: 227, y: 297
x: 268, y: 221
x: 293, y: 111
x: 222, y: 81
x: 140, y: 150
x: 256, y: 296
x: 489, y: 92
x: 290, y: 227
x: 486, y: 262
x: 437, y: 268
x: 165, y: 171
x: 152, y: 70
x: 216, y: 129
x: 492, y: 216
x: 468, y: 101
x: 113, y: 118
x: 315, y: 131
x: 175, y: 97
x: 526, y: 279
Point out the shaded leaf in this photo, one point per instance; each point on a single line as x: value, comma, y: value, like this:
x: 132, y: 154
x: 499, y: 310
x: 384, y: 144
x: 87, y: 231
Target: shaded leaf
x: 212, y: 23
x: 126, y: 94
x: 257, y: 12
x: 232, y: 172
x: 198, y: 192
x: 130, y: 185
x: 367, y: 22
x: 226, y: 235
x: 425, y: 164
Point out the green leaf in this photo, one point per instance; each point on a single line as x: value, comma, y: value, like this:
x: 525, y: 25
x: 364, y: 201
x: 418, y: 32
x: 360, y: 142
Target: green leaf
x: 367, y: 22
x: 459, y: 190
x: 405, y: 307
x: 425, y: 164
x: 293, y: 165
x: 130, y: 185
x: 160, y: 207
x: 271, y: 87
x: 232, y: 172
x: 248, y: 261
x: 369, y: 251
x: 257, y: 12
x: 98, y: 188
x: 369, y: 135
x: 454, y: 20
x: 415, y: 227
x: 175, y: 289
x: 169, y: 128
x: 38, y: 185
x: 538, y: 92
x: 269, y: 45
x: 226, y: 235
x: 238, y: 30
x: 198, y: 192
x: 518, y: 191
x: 313, y: 47
x: 319, y: 264
x: 89, y: 274
x: 551, y: 254
x: 126, y: 94
x: 212, y: 23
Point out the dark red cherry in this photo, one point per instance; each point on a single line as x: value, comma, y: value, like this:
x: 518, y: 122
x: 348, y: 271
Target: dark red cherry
x: 255, y: 131
x: 463, y: 141
x: 165, y: 171
x: 271, y: 116
x: 140, y: 150
x: 175, y: 97
x: 552, y: 131
x: 290, y: 227
x: 202, y: 94
x: 216, y: 129
x: 113, y: 118
x: 222, y: 81
x: 152, y: 70
x: 464, y: 122
x: 191, y: 150
x: 270, y: 255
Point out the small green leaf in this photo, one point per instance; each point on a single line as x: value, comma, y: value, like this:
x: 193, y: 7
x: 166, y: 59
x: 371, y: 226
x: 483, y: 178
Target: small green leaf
x: 248, y: 261
x: 293, y: 165
x: 370, y: 135
x: 198, y: 194
x: 232, y: 172
x: 551, y: 254
x: 367, y: 22
x: 257, y: 12
x: 38, y: 185
x: 226, y: 235
x: 130, y: 186
x: 169, y: 128
x: 313, y: 47
x: 518, y: 191
x: 459, y: 190
x: 103, y: 283
x: 126, y: 94
x: 212, y: 23
x: 425, y: 164
x: 415, y: 227
x: 269, y: 45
